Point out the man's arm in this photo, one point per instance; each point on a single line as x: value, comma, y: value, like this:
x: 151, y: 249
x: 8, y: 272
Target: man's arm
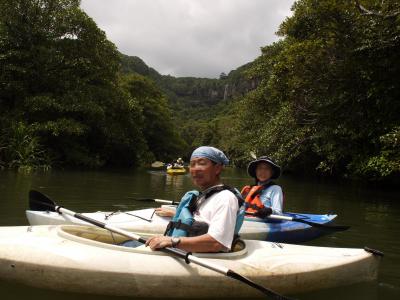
x: 201, y: 243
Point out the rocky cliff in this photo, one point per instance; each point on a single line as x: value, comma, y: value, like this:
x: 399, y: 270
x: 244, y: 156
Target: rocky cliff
x: 192, y: 90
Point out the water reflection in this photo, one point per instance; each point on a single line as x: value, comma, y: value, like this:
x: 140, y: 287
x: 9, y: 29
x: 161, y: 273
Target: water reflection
x: 170, y: 186
x: 372, y: 213
x: 174, y: 181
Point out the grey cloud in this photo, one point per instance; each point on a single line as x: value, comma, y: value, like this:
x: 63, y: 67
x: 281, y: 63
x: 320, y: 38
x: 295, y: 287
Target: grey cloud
x: 199, y: 38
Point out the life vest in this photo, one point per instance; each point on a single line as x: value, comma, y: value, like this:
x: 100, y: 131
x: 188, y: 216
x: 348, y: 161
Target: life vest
x: 183, y: 223
x: 251, y: 195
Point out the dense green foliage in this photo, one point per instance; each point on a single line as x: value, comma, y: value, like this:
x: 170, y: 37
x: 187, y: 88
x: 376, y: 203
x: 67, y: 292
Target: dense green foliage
x: 324, y: 99
x: 59, y: 81
x: 329, y: 95
x: 158, y: 128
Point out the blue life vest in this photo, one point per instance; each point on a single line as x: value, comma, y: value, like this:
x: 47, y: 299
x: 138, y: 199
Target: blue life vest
x: 183, y: 221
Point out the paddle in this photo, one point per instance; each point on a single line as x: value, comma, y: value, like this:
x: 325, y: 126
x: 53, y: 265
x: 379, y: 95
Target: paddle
x: 41, y: 202
x: 155, y: 200
x: 301, y: 220
x: 274, y: 217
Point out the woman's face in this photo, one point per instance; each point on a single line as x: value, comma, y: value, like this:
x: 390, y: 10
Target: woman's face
x: 263, y: 171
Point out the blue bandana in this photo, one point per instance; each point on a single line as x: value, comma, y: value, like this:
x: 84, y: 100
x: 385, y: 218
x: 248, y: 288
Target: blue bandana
x: 211, y: 153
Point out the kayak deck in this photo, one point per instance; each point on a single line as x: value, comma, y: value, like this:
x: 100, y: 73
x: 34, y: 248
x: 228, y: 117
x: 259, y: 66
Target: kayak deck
x: 85, y: 259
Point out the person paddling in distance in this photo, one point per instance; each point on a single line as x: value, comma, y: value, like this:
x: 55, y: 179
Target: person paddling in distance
x: 265, y: 197
x: 176, y: 164
x: 204, y: 221
x: 179, y: 163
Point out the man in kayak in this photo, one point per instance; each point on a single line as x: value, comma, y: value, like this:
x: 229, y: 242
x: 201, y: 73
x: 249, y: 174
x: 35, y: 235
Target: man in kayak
x: 179, y: 163
x: 205, y: 221
x: 176, y: 164
x: 265, y: 197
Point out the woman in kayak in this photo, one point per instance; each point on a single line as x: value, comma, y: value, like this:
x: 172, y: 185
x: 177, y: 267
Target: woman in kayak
x: 205, y: 221
x: 265, y: 197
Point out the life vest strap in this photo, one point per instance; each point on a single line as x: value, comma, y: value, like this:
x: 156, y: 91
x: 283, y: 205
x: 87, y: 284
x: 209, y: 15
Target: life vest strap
x: 196, y: 202
x: 177, y: 225
x: 183, y: 223
x: 253, y: 202
x: 196, y: 229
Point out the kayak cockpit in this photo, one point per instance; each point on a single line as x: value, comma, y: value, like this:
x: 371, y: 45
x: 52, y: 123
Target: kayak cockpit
x: 103, y: 238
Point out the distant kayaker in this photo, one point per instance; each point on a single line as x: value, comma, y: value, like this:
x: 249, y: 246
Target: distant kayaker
x: 180, y: 162
x: 176, y: 164
x: 205, y: 221
x: 265, y: 197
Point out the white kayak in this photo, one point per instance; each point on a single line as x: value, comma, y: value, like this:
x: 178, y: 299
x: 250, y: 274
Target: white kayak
x: 145, y: 220
x: 87, y: 259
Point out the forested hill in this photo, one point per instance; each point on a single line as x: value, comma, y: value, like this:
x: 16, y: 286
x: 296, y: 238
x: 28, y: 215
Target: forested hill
x: 323, y: 100
x: 192, y: 90
x: 63, y: 100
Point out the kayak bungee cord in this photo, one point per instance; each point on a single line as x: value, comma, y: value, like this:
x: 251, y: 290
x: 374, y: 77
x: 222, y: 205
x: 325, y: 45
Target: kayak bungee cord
x: 139, y: 217
x: 41, y: 202
x: 108, y: 215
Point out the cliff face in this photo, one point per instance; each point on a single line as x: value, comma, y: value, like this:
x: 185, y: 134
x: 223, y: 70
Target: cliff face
x: 192, y: 90
x: 238, y: 89
x: 209, y: 92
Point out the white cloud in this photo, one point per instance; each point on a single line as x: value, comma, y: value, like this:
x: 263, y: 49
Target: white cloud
x: 200, y: 38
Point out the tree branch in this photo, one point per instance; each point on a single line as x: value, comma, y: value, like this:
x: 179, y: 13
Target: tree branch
x: 368, y: 12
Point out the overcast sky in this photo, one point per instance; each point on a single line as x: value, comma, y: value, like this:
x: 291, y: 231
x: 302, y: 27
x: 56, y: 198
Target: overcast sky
x: 199, y: 38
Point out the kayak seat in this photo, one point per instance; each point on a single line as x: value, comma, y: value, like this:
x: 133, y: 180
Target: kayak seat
x: 238, y: 245
x: 130, y: 243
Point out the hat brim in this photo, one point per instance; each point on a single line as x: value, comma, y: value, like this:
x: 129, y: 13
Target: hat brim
x: 251, y: 168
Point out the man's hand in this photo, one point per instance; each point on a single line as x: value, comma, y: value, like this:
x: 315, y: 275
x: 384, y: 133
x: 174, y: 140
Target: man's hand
x: 159, y: 242
x: 263, y: 212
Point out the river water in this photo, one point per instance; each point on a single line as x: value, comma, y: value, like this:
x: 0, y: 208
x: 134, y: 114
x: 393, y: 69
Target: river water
x: 373, y: 214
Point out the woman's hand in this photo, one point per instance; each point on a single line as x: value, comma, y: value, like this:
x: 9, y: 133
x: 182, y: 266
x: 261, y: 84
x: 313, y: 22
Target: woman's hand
x: 263, y: 212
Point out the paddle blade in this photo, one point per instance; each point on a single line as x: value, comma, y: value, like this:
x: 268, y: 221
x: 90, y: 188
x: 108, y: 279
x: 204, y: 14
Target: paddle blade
x: 269, y: 293
x: 40, y: 202
x: 332, y: 227
x: 337, y: 227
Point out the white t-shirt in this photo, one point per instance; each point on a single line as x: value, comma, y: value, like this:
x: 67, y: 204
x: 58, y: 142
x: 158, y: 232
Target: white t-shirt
x: 219, y: 211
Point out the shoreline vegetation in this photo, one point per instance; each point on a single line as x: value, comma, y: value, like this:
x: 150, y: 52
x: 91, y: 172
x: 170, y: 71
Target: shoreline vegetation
x: 322, y: 101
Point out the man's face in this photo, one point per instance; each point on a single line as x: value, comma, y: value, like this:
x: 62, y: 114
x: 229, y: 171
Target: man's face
x: 204, y: 172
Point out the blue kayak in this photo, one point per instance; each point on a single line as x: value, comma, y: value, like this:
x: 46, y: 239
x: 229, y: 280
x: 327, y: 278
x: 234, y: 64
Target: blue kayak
x: 288, y: 231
